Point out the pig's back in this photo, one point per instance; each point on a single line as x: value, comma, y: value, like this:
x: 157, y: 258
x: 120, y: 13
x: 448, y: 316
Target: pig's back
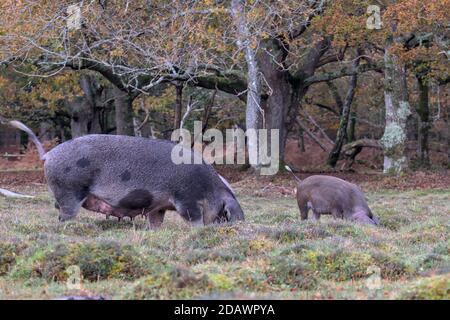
x: 333, y: 188
x: 115, y: 164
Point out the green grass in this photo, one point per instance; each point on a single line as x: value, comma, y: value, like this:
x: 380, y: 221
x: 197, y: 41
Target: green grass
x: 272, y: 255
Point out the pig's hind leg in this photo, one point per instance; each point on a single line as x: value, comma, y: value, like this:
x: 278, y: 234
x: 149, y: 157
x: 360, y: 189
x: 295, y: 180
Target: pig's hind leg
x: 304, y: 208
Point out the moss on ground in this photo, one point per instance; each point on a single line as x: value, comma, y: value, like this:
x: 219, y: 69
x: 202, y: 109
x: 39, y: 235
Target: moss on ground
x: 433, y: 288
x: 97, y: 261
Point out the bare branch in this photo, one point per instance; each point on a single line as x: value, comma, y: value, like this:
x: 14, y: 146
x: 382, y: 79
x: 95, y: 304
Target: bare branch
x: 344, y: 72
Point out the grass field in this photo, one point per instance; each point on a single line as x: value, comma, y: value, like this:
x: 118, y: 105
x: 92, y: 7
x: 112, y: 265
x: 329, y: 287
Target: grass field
x: 271, y: 255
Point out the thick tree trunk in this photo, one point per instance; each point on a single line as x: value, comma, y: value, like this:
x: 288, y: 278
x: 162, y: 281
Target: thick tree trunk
x: 424, y: 123
x: 397, y: 112
x: 85, y: 110
x: 123, y: 112
x: 280, y: 94
x: 333, y: 157
x: 93, y: 96
x: 46, y: 131
x: 446, y: 118
x: 82, y: 116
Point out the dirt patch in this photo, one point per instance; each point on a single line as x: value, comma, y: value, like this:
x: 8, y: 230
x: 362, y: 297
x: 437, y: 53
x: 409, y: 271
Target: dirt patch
x: 28, y: 159
x: 284, y: 184
x: 21, y: 178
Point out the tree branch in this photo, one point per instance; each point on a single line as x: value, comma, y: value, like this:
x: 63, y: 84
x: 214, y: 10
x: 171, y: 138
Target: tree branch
x: 320, y: 105
x: 229, y: 82
x: 339, y: 56
x: 311, y: 135
x: 344, y: 72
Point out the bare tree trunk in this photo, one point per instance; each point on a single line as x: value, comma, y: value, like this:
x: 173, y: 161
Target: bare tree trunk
x: 423, y: 111
x: 448, y: 138
x: 253, y: 111
x: 301, y: 140
x: 207, y: 111
x: 178, y: 106
x: 352, y: 129
x: 124, y: 112
x: 333, y: 157
x: 397, y: 113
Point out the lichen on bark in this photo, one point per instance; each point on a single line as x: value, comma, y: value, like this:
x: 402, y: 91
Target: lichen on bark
x: 393, y: 135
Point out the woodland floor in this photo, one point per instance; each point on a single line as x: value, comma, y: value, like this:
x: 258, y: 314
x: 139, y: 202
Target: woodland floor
x: 271, y: 255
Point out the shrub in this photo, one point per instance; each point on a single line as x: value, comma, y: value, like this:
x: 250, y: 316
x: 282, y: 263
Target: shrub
x: 96, y: 261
